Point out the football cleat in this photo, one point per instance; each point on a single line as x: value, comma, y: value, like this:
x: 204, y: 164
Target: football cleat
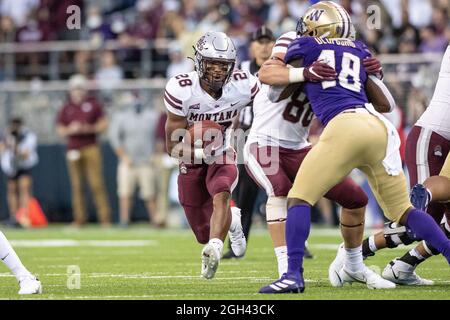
x: 420, y: 197
x: 30, y: 285
x: 367, y: 276
x: 236, y: 234
x: 336, y: 266
x: 285, y: 285
x: 210, y: 261
x: 403, y: 273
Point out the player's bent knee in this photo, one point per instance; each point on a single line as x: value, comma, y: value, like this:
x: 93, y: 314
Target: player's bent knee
x: 202, y: 234
x: 291, y: 202
x: 276, y: 209
x: 355, y: 199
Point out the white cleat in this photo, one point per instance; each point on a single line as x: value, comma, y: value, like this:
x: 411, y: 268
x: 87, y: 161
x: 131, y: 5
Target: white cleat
x: 210, y: 261
x: 367, y: 276
x: 400, y: 272
x: 30, y: 285
x: 236, y: 234
x: 336, y: 266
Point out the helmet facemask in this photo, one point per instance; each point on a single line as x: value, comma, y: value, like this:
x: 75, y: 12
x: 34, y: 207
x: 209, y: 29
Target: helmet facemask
x: 214, y: 73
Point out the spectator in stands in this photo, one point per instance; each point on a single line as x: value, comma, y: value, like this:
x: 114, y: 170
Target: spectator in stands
x: 416, y: 105
x: 7, y: 29
x: 431, y: 41
x: 33, y: 31
x: 132, y: 135
x: 110, y: 74
x: 18, y: 157
x: 280, y: 19
x: 178, y: 62
x: 18, y: 10
x: 80, y: 121
x: 97, y: 29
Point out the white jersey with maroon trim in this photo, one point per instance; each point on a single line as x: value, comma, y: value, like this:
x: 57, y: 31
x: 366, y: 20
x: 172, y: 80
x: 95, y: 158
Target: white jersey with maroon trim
x: 185, y: 97
x: 437, y: 116
x: 285, y: 123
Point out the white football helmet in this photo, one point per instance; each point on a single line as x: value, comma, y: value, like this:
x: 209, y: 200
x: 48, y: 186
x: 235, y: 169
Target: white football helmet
x: 214, y: 48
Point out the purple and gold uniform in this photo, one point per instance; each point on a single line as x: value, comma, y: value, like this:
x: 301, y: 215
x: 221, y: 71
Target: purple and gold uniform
x: 353, y: 136
x: 346, y: 57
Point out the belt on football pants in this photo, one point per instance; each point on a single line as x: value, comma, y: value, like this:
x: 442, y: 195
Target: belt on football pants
x: 356, y: 109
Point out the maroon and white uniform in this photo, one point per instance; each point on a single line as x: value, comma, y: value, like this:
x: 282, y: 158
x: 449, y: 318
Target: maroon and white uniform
x: 278, y: 142
x: 197, y: 184
x: 428, y: 143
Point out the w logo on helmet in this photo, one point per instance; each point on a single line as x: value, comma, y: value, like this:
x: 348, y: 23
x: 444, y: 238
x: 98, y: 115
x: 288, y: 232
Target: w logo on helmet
x: 315, y: 14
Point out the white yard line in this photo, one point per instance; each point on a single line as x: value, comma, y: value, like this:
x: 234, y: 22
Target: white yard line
x: 81, y: 243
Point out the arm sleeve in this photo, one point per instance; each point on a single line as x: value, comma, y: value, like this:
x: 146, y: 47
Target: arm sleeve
x: 172, y: 99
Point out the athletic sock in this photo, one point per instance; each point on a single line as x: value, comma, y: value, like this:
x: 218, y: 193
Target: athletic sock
x: 282, y: 259
x: 10, y: 258
x: 368, y: 247
x: 412, y: 257
x: 353, y: 259
x: 297, y: 231
x: 217, y: 243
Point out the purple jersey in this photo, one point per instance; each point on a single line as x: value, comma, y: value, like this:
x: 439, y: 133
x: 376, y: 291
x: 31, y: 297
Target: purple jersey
x: 330, y: 98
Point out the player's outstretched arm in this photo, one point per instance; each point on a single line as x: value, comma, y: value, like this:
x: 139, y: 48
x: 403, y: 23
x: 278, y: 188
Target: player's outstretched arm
x: 379, y: 95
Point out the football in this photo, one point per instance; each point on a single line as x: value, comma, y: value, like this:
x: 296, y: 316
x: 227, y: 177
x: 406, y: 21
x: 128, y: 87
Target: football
x: 207, y: 131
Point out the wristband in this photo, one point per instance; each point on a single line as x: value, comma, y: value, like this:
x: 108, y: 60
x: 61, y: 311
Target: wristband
x: 296, y: 75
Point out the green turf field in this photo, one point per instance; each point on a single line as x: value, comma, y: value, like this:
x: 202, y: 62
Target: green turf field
x: 141, y: 263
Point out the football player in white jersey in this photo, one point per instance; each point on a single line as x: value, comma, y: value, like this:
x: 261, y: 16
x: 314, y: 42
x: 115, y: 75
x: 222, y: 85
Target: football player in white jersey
x: 275, y: 148
x: 428, y: 161
x: 28, y: 283
x: 215, y: 92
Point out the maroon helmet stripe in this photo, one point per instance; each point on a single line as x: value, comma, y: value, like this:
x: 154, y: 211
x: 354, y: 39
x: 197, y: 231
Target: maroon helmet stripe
x: 173, y: 98
x: 171, y: 103
x: 282, y: 45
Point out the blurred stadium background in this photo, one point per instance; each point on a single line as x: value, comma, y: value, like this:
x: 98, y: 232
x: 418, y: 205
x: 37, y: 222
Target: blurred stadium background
x: 126, y: 46
x: 131, y: 47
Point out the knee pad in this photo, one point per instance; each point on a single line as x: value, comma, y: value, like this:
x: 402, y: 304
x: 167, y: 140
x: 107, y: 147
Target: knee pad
x: 395, y: 234
x: 276, y: 209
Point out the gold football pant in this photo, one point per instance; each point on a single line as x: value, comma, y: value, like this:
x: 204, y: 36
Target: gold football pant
x: 352, y: 140
x: 445, y: 171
